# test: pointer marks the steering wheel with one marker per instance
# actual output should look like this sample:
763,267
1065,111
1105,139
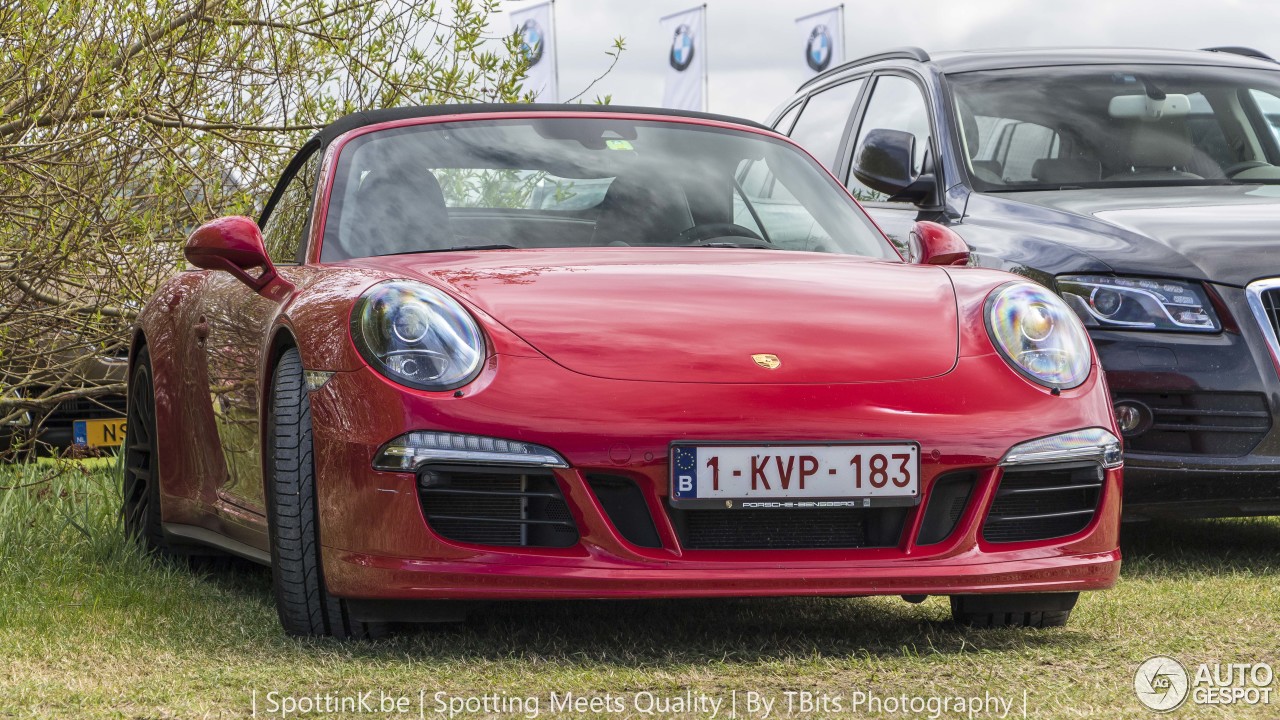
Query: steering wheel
707,231
1237,168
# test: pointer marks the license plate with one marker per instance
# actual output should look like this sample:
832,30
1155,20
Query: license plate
99,433
730,476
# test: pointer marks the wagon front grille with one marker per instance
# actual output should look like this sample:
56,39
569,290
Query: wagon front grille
88,408
1271,308
496,507
1224,424
1042,503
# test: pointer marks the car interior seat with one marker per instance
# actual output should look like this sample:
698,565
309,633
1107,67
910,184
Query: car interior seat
989,171
641,211
397,210
1159,150
1066,171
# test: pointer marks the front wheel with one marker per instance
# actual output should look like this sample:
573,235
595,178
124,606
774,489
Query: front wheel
297,576
140,506
1033,610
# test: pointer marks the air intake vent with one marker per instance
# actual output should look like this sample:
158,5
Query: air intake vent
496,506
786,529
947,501
624,503
1039,503
1201,423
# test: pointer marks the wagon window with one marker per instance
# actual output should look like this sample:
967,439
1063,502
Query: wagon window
824,118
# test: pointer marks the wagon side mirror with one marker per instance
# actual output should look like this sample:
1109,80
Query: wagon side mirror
884,163
234,244
934,244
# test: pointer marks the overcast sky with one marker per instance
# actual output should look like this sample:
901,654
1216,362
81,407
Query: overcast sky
754,46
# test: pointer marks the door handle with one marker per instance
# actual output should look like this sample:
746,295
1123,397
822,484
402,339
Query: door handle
201,330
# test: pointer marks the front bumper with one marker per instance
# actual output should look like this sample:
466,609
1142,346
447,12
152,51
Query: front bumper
378,545
1213,447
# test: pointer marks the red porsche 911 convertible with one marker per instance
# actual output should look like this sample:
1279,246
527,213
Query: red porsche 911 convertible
535,352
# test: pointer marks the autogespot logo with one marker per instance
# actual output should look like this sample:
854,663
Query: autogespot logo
818,51
682,48
531,41
1161,683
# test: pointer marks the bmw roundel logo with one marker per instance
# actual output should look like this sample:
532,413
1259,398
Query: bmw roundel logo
682,48
818,51
531,41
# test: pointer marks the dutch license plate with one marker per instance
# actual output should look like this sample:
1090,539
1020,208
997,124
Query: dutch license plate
99,433
730,476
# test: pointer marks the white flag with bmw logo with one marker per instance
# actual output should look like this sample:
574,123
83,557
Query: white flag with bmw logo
536,27
822,35
686,59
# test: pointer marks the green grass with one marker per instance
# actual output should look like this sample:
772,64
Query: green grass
89,628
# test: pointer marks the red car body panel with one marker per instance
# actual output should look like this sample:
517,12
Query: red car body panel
607,356
597,310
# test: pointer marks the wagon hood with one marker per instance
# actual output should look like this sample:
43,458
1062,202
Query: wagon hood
701,314
1223,234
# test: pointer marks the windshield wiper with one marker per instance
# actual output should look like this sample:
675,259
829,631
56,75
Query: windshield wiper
741,245
461,248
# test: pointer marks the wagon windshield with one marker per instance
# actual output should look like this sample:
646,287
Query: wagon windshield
1050,128
585,182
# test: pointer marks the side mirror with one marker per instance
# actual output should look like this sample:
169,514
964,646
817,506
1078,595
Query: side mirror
884,163
234,244
934,244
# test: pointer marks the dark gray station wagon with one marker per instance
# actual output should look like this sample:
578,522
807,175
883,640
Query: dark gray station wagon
1143,185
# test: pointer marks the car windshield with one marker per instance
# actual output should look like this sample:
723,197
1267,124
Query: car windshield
1117,126
582,182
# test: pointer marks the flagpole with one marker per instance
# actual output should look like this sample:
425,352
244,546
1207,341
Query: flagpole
555,46
843,52
706,62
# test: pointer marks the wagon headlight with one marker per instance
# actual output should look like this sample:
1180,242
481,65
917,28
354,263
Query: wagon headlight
417,335
1038,335
1122,303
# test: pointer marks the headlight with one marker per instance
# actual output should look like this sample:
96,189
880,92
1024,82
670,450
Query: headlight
1138,303
417,336
1038,335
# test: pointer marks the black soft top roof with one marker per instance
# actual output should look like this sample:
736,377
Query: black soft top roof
371,117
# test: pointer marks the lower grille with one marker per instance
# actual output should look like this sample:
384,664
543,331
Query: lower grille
947,500
95,408
1201,423
624,502
1043,503
786,529
507,507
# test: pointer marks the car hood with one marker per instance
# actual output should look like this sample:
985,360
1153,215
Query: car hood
1223,234
701,314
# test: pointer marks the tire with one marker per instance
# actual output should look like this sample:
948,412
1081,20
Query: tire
1032,610
304,605
140,484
